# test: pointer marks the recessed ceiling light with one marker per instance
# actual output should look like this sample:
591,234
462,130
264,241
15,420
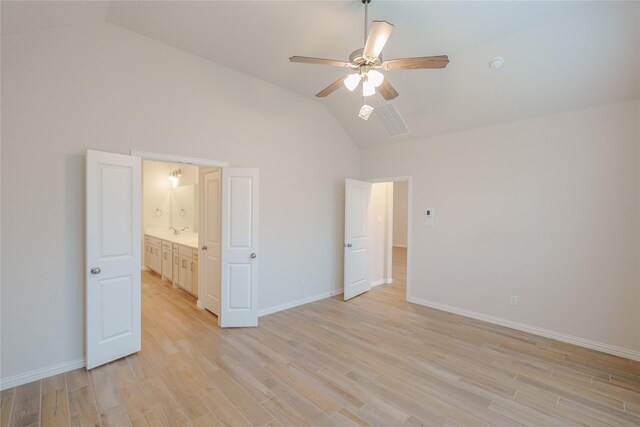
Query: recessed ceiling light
496,63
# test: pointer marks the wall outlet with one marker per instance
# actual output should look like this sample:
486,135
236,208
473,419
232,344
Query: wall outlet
514,300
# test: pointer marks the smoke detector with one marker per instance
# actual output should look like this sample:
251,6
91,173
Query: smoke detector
496,63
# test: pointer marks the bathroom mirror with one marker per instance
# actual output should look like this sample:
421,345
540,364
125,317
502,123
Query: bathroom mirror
184,207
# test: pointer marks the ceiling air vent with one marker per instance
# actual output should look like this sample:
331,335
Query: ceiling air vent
391,119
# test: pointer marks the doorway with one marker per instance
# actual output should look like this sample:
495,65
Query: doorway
118,246
172,227
372,255
389,234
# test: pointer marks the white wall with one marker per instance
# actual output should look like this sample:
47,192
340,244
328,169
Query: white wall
380,243
101,87
156,195
547,209
400,206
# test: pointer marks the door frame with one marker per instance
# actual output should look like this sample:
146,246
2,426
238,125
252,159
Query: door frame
195,161
409,180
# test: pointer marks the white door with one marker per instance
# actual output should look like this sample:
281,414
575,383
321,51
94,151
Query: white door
211,241
356,236
239,220
113,257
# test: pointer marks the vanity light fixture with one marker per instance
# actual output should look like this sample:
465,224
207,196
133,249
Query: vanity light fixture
174,177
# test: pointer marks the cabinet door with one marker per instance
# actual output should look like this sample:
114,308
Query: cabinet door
176,267
194,276
147,255
152,259
184,269
157,260
167,263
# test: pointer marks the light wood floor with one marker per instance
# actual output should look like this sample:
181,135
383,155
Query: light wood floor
375,360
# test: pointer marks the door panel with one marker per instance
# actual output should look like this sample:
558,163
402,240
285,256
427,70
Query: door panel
212,241
113,257
356,231
239,266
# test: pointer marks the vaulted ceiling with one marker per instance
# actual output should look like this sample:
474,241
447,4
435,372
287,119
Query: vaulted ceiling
558,55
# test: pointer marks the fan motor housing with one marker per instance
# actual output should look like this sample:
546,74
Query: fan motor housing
358,59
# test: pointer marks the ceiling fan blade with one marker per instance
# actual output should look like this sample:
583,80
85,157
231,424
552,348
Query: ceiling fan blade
319,61
332,87
378,35
440,61
387,91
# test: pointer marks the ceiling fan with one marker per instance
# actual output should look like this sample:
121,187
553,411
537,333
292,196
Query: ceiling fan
366,62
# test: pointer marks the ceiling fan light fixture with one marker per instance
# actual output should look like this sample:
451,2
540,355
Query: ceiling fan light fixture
368,89
375,78
352,81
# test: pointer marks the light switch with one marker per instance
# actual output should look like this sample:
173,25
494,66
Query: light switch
429,215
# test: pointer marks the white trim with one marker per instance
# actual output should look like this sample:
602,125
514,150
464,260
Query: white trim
382,282
38,374
559,336
170,158
296,303
409,180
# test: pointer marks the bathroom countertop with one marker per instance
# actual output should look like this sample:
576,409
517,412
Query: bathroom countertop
184,238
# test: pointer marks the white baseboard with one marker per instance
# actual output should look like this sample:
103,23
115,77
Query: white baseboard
296,303
38,374
559,336
382,282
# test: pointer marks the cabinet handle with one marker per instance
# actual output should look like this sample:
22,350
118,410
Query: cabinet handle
184,263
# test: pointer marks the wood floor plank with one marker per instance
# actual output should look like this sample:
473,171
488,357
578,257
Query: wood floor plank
6,401
26,405
82,406
55,402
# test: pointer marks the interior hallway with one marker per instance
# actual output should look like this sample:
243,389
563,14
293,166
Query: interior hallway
374,360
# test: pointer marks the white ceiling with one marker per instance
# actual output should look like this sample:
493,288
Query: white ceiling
559,55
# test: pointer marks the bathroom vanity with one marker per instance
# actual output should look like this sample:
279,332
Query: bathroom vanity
174,257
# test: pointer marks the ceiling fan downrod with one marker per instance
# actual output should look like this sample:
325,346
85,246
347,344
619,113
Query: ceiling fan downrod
366,18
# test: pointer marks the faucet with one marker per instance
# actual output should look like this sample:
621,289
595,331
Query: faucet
175,230
186,228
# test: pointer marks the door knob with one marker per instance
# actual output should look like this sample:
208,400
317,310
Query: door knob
348,245
253,255
95,270
204,248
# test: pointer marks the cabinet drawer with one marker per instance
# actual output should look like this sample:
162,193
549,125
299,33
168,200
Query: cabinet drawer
152,240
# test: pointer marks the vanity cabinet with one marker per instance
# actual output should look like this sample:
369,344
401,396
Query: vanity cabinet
174,262
153,257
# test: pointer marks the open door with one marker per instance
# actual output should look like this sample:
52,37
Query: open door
356,236
113,257
239,278
210,232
